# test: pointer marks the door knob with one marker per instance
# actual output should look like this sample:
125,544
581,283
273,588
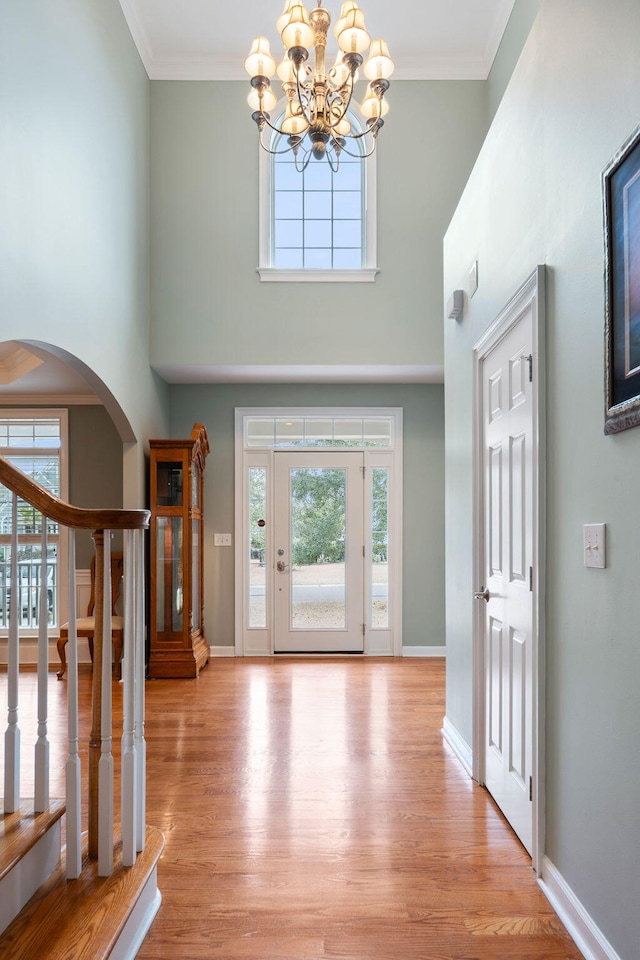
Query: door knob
483,595
281,566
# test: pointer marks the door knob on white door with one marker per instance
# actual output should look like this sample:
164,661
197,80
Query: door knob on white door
483,595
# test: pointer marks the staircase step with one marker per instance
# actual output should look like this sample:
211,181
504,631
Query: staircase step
21,831
86,919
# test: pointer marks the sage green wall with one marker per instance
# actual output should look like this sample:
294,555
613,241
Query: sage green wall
204,189
423,534
95,469
513,40
74,208
535,197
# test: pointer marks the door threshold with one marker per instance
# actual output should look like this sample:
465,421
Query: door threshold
318,653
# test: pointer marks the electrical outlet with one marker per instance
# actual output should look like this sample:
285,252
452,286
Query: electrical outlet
594,545
222,539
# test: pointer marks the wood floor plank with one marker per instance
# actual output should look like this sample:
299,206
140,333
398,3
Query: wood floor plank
312,811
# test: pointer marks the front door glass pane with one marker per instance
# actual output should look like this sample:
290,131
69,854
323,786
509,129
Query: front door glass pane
318,535
380,547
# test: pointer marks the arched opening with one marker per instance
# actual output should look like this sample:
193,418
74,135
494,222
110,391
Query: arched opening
61,424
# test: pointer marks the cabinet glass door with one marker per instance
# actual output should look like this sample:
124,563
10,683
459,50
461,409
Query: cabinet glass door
169,575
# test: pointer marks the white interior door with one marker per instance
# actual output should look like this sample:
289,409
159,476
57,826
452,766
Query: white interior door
319,552
507,442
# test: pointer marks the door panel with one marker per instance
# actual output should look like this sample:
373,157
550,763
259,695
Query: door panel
318,542
508,524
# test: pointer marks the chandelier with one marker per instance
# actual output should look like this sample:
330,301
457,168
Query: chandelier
315,122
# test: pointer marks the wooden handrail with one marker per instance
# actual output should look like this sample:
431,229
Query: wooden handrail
69,516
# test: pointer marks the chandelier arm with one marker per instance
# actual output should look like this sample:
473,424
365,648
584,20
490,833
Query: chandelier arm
275,130
301,99
305,162
373,130
359,156
337,158
339,96
274,153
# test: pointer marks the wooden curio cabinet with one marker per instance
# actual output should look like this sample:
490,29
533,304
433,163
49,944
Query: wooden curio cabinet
178,646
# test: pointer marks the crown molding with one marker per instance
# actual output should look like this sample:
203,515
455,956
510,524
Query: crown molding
495,38
138,34
186,373
49,400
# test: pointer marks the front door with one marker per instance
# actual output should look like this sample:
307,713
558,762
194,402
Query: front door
507,483
319,552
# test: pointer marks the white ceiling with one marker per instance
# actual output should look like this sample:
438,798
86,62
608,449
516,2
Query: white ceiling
204,40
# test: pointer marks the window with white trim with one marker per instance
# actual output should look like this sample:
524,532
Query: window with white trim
34,441
317,224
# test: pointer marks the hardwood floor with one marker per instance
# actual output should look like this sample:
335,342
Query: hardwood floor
312,810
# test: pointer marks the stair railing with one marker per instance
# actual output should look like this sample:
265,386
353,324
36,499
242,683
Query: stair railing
101,761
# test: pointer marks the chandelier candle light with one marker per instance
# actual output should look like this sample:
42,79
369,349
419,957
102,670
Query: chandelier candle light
315,121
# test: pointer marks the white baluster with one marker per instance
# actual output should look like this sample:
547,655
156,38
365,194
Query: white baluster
140,646
41,758
12,734
73,766
129,773
105,766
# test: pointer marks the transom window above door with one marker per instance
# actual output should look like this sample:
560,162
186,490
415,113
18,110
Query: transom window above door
319,432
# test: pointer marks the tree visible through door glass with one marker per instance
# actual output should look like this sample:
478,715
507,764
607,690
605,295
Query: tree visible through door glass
380,547
318,532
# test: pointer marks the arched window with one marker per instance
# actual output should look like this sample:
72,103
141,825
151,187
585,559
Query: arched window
317,224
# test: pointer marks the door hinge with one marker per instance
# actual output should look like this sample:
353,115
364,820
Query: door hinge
363,629
363,468
531,788
530,362
363,553
531,579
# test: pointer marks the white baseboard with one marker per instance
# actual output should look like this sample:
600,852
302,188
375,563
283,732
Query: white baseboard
406,652
588,937
424,651
222,651
458,744
29,651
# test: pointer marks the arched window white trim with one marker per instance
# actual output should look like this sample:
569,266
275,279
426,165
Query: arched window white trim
270,273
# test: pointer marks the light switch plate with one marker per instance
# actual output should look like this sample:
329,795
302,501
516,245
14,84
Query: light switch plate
222,539
594,545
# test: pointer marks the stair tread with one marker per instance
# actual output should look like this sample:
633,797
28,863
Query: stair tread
81,919
20,831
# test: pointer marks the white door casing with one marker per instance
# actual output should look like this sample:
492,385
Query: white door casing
255,621
508,661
